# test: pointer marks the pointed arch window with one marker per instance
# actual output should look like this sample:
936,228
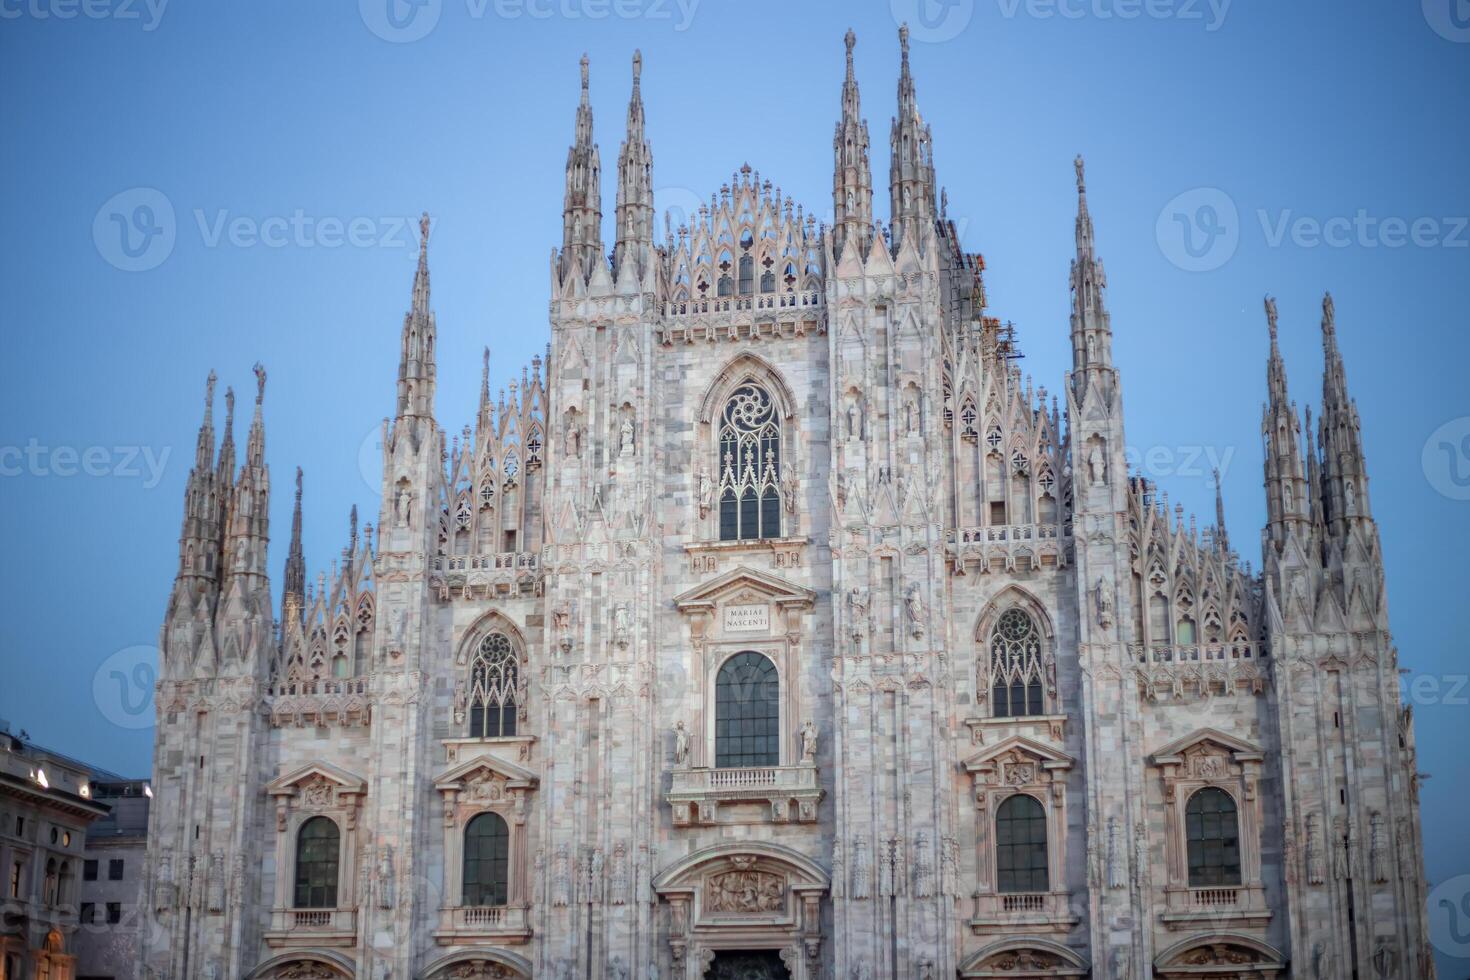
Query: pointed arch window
1016,670
486,861
1020,846
494,679
318,845
747,274
750,466
1212,830
747,712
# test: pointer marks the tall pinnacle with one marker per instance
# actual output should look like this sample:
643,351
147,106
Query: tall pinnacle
852,178
1344,468
255,445
293,590
226,465
204,451
911,170
1222,537
635,185
1092,331
581,239
1286,477
416,368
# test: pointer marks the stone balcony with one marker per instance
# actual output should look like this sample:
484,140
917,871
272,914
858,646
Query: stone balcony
742,318
1033,913
1009,547
312,927
1219,905
784,794
469,924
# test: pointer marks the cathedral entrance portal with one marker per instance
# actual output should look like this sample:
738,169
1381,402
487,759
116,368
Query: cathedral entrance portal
747,964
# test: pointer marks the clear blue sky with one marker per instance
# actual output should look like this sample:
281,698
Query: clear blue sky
1299,110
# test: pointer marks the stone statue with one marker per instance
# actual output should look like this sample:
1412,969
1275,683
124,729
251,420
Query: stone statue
625,437
1104,599
681,744
1321,961
621,624
809,743
1096,468
706,492
914,603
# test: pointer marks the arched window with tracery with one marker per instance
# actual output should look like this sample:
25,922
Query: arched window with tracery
494,677
750,465
1212,833
1016,669
318,845
486,861
1020,846
747,712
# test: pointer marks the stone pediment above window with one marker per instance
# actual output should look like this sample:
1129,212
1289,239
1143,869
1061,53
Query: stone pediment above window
1206,754
745,601
475,774
318,784
1017,761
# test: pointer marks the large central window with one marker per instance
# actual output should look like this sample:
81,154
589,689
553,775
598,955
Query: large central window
1020,846
316,864
493,679
1015,666
750,466
1213,835
486,860
747,712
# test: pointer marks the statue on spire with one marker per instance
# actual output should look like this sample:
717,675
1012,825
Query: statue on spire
1271,316
259,371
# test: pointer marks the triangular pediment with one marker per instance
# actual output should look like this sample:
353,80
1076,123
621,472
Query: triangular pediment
314,772
1045,755
481,766
1176,750
762,587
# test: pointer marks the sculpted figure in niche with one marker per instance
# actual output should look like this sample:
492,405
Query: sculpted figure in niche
625,437
1096,467
809,742
681,744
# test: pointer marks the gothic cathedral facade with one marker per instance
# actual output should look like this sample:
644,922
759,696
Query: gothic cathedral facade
775,626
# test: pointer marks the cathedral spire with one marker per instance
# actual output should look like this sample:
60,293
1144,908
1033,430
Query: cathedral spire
204,450
635,186
1222,537
1286,479
247,533
911,172
852,177
1344,470
255,443
581,237
293,590
225,467
416,371
1092,329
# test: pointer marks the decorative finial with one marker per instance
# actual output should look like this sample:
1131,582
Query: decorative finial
849,39
1329,314
1081,167
637,66
586,63
424,232
1271,316
209,384
259,370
